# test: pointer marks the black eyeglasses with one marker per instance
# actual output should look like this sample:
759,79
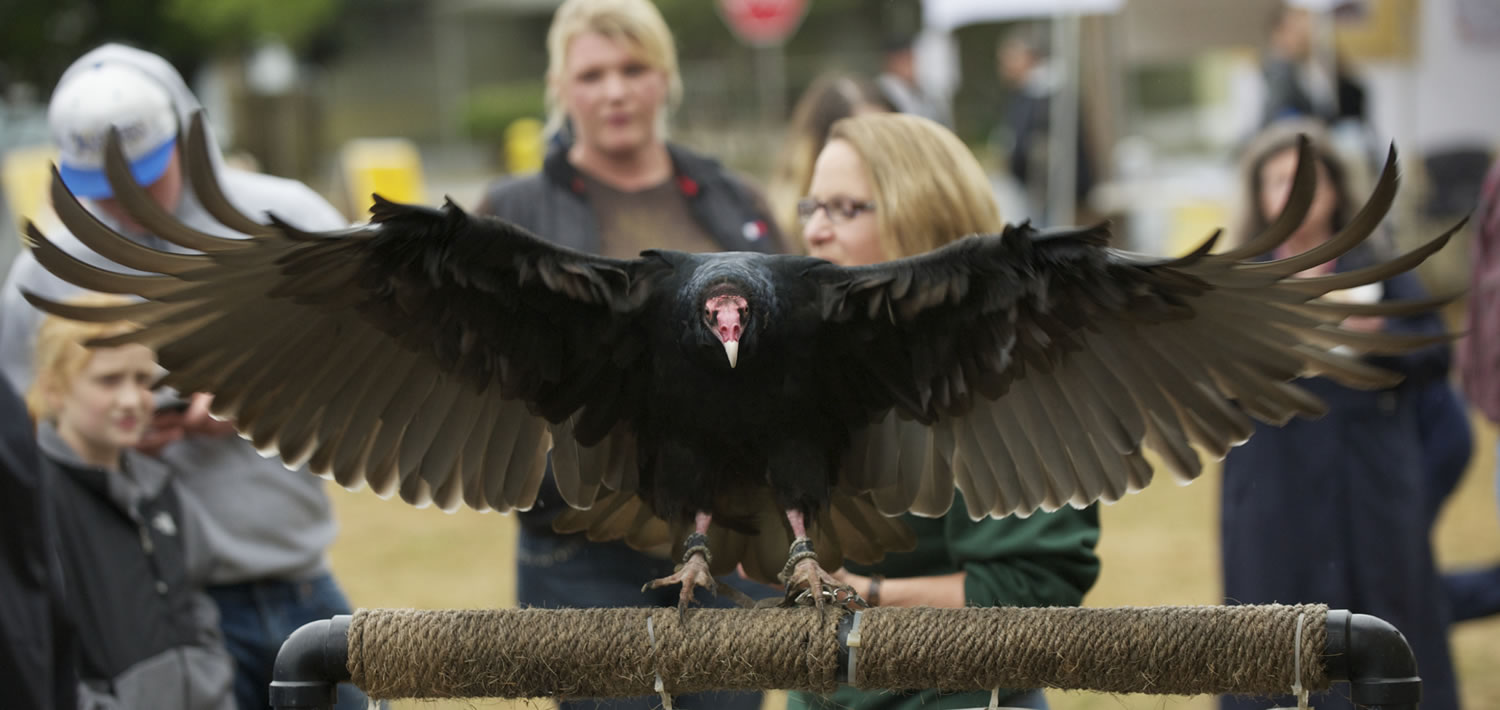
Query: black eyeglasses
839,209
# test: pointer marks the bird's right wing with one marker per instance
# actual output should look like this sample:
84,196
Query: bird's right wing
429,353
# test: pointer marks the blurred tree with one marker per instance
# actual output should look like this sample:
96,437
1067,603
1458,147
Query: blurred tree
232,25
38,38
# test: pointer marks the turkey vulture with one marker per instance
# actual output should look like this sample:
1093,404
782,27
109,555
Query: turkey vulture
747,408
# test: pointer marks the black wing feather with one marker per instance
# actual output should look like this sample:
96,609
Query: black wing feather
1058,360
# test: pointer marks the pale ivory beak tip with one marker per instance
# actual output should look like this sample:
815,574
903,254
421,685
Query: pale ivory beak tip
732,349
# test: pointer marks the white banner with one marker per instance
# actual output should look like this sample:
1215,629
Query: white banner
949,14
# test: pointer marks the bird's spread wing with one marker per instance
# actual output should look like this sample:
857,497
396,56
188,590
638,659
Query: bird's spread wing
428,353
1032,370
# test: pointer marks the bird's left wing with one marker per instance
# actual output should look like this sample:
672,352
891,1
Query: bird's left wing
429,352
1033,370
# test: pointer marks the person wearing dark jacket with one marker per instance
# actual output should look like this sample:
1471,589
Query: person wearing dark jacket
38,645
611,184
1475,593
1335,510
130,538
1023,60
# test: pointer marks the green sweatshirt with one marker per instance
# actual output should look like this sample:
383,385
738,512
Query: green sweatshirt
1045,560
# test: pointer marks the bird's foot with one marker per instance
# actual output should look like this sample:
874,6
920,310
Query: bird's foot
808,584
691,574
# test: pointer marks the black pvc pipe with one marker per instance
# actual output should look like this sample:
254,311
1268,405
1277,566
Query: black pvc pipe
1376,660
311,664
1366,651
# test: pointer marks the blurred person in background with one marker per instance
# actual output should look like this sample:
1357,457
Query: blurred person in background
830,97
898,83
268,527
611,184
130,536
1024,63
1303,78
1475,593
887,187
38,639
1334,510
1298,83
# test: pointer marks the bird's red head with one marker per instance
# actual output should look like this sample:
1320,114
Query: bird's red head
725,315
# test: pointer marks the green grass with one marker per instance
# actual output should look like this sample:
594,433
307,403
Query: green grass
1159,547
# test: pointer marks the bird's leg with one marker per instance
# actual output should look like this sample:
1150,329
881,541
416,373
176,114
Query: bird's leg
694,571
802,571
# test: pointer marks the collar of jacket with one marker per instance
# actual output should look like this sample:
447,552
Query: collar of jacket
730,216
143,477
693,173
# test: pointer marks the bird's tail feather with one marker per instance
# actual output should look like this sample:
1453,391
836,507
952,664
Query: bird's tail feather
851,528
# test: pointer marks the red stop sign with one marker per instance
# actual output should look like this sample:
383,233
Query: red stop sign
763,22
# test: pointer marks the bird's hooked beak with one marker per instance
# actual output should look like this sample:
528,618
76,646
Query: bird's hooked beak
724,318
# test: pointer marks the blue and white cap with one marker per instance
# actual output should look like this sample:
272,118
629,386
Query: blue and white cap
87,103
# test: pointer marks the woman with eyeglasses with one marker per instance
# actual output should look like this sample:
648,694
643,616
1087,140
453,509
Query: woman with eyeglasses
888,186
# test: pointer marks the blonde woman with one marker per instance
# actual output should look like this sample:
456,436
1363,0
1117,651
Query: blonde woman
611,184
131,542
889,186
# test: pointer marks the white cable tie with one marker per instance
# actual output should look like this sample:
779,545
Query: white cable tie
1297,688
853,643
661,688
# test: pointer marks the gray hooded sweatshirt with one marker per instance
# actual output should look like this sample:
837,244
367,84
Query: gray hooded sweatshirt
263,521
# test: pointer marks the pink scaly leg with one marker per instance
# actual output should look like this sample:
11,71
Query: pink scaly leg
802,570
694,571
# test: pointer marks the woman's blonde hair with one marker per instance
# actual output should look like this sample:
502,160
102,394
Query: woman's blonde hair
635,22
829,98
929,189
61,354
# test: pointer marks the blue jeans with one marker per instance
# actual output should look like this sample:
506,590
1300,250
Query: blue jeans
258,616
569,571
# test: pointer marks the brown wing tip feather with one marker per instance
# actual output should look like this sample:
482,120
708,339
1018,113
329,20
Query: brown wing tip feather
31,235
41,303
290,229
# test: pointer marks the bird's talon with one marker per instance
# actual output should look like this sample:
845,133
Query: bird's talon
807,584
692,574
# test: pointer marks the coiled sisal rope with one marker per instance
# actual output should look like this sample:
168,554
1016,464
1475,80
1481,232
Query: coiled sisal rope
518,653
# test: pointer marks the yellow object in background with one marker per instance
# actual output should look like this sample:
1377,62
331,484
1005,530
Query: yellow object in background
523,146
391,167
1193,222
26,174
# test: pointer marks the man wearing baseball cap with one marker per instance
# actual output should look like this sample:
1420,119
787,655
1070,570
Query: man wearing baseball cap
81,113
267,528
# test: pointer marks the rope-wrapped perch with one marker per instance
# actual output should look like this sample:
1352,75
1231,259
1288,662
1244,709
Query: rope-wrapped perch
579,653
517,653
